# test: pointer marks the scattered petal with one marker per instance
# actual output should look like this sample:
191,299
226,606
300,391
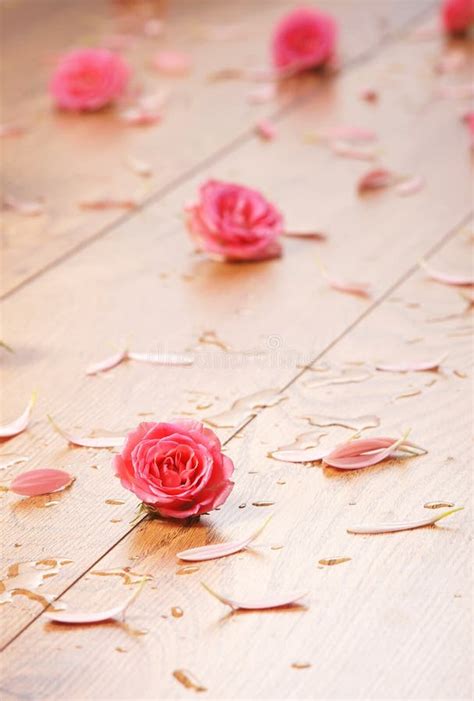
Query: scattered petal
19,424
107,364
360,289
347,150
28,208
265,130
376,179
108,203
162,358
172,62
264,93
369,95
413,367
402,526
447,278
212,552
84,617
140,117
365,452
269,602
89,442
347,133
36,482
410,186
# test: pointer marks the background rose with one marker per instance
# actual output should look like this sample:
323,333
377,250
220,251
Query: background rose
88,79
303,39
177,468
235,223
457,14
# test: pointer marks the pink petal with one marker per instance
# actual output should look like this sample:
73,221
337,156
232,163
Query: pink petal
346,150
316,235
412,367
375,180
369,95
361,289
87,442
410,186
447,278
29,208
107,364
140,117
365,452
350,134
36,482
262,94
401,526
212,552
108,203
172,62
19,424
269,602
265,130
162,358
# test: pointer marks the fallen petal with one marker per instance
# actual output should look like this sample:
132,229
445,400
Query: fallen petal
410,186
347,150
270,602
347,133
447,278
402,526
19,424
89,442
413,367
172,62
376,180
36,482
357,454
262,94
140,117
360,289
265,130
107,364
212,552
29,208
162,358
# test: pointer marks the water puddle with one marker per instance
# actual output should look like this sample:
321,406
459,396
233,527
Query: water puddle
244,408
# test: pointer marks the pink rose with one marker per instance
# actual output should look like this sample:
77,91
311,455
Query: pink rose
177,469
303,39
457,15
235,223
88,79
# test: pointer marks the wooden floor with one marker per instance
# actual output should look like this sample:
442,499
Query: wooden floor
393,621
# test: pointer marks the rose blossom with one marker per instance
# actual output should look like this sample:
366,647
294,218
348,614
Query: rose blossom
235,223
178,469
457,15
88,79
303,39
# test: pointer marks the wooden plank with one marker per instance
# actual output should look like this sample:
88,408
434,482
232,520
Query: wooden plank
146,266
96,146
393,622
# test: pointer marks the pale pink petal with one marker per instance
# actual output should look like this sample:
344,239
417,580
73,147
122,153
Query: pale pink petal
410,186
140,117
162,358
36,482
401,526
316,235
172,62
264,93
412,367
108,203
369,95
28,208
107,364
348,133
268,602
359,457
265,130
347,150
19,424
376,180
90,442
360,289
212,552
447,278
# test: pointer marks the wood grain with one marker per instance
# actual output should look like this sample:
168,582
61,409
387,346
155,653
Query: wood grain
372,626
96,146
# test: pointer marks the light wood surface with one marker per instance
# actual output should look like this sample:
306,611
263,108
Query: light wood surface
393,621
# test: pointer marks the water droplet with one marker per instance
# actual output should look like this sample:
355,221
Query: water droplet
177,612
334,560
242,506
24,578
121,649
340,377
188,680
358,423
301,665
188,569
244,408
211,338
115,502
128,576
263,503
438,505
10,459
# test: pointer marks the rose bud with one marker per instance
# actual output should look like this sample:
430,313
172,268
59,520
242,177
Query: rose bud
177,469
234,223
88,79
303,39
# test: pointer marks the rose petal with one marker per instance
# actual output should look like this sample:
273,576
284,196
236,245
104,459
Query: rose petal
19,424
410,186
262,94
89,442
413,367
36,482
212,552
265,130
162,358
376,180
360,289
172,62
347,150
29,208
269,602
401,526
366,459
447,278
107,364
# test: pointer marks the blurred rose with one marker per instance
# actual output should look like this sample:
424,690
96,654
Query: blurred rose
457,15
177,469
303,39
235,223
88,79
